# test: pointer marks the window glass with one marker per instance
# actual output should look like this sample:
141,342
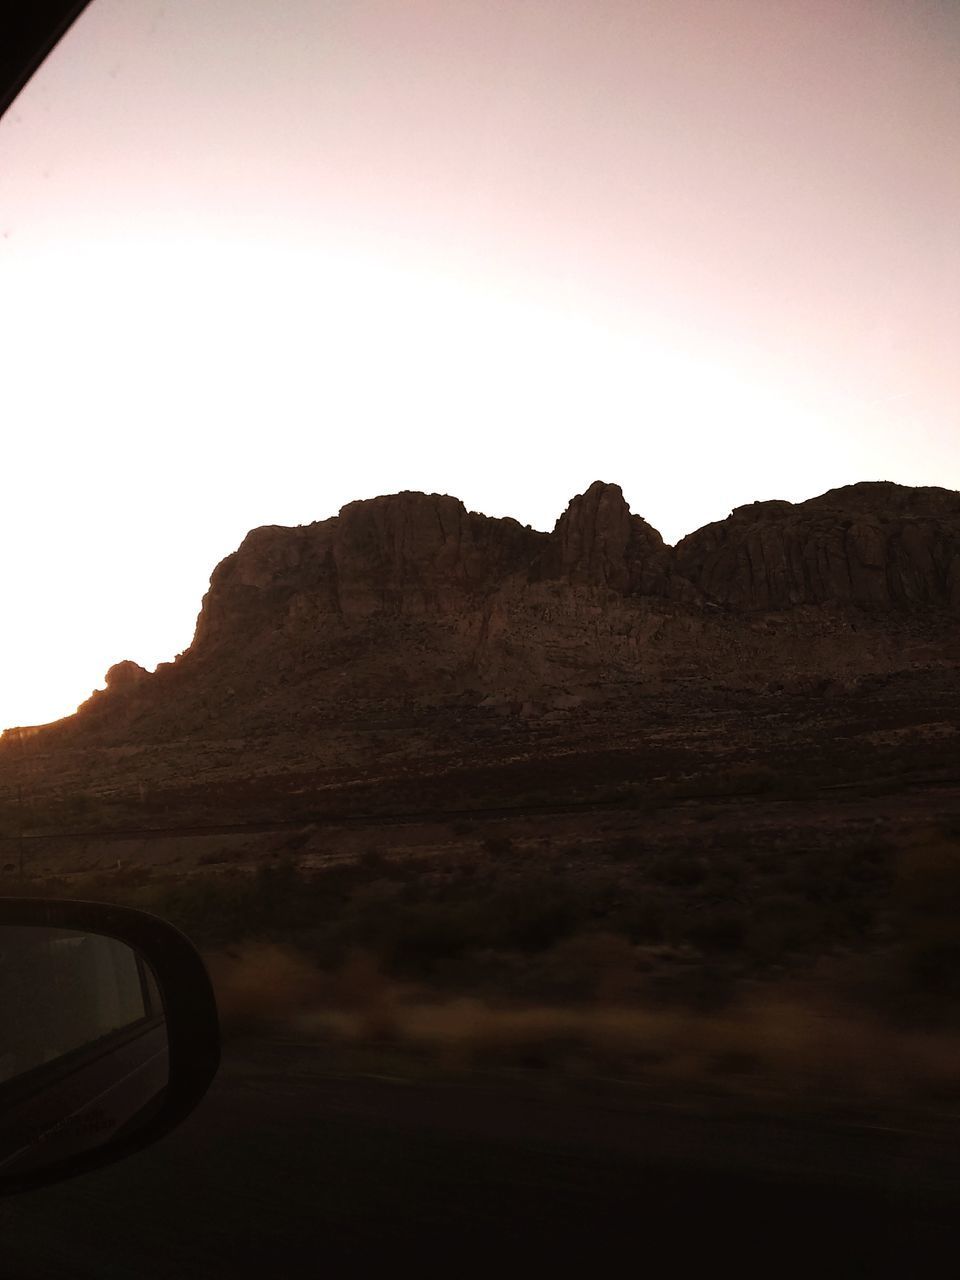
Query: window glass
61,990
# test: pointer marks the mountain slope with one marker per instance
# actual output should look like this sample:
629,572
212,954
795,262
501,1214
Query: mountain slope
407,635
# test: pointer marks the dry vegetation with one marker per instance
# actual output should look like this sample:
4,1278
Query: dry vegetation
779,1040
806,970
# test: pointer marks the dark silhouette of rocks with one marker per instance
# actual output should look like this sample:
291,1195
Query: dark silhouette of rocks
410,655
410,600
411,554
598,542
878,546
881,547
124,675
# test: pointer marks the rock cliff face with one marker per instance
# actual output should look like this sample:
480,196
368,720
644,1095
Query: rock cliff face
877,546
598,542
337,665
411,600
408,554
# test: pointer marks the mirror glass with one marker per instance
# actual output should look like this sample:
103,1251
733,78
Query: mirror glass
83,1045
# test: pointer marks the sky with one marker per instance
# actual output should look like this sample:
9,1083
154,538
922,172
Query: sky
259,258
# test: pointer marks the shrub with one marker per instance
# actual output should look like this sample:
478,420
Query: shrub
642,920
723,930
679,870
499,846
927,884
742,780
372,861
626,850
213,859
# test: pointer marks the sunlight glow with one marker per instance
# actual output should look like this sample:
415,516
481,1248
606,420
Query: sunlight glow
199,388
255,267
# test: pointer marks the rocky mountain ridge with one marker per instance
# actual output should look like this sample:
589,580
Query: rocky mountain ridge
410,653
877,546
411,598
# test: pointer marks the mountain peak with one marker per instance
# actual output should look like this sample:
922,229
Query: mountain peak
598,541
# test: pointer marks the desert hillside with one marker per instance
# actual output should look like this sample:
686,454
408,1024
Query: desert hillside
410,655
415,754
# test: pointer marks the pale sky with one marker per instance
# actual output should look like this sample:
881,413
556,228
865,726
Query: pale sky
259,258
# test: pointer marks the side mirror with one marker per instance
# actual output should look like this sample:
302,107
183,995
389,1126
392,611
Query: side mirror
108,1036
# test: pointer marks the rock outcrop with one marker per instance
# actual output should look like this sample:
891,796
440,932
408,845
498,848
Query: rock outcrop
124,676
337,664
877,547
880,547
405,554
412,600
598,542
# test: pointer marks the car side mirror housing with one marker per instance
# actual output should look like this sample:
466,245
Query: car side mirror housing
108,1036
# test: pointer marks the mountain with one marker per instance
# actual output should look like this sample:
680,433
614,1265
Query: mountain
881,547
412,596
877,546
410,610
